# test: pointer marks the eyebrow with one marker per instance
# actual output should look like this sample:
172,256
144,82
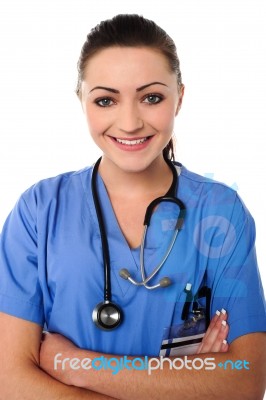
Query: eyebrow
137,90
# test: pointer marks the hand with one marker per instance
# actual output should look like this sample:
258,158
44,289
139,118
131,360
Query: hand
214,340
52,344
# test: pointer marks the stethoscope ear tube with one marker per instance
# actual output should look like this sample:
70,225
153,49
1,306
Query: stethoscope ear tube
161,199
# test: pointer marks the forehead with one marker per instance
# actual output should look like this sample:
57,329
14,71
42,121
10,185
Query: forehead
127,63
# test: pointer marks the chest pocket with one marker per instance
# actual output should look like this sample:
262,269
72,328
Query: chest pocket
185,334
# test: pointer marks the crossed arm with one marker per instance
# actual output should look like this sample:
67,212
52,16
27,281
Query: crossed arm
22,378
20,375
130,384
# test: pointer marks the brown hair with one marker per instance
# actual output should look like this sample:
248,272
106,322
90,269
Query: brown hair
130,30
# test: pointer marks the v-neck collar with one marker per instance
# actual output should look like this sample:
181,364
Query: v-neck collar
121,255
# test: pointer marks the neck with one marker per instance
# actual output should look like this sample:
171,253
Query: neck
154,180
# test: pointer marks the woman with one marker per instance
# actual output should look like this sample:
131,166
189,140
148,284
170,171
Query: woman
53,266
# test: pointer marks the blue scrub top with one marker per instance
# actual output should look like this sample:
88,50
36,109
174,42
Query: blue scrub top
51,265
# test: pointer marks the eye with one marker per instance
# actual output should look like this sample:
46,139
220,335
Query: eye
104,102
153,99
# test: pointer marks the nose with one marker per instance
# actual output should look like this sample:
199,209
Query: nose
130,120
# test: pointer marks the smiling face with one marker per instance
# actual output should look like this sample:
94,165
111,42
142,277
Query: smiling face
130,99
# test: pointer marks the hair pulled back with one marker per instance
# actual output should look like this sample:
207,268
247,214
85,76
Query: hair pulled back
130,30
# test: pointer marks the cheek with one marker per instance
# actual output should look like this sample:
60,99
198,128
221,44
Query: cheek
96,123
164,120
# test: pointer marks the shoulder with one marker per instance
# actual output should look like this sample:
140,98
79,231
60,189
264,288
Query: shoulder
212,196
48,201
190,178
46,196
59,185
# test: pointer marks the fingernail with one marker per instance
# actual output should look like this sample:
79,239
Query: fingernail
224,341
218,313
223,311
224,323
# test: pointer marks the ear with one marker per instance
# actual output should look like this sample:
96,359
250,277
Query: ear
82,105
180,100
81,98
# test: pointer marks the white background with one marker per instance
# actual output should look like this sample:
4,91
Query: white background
220,129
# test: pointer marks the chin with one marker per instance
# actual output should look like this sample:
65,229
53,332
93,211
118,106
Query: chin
131,163
136,166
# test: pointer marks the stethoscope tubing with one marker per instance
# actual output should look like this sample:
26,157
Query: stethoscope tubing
107,315
105,248
145,279
147,220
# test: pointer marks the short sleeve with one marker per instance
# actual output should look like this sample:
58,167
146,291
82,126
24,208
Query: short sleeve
237,284
20,291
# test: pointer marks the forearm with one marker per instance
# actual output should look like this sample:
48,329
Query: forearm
170,383
31,383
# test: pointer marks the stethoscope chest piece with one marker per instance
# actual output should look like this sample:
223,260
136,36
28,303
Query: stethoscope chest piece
107,315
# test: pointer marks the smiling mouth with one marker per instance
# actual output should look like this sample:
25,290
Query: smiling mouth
132,142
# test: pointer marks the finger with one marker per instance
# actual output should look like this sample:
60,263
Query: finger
214,321
224,347
211,335
222,335
213,340
218,316
210,327
44,335
217,335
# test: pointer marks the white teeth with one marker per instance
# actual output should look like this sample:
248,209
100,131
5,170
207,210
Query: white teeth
131,142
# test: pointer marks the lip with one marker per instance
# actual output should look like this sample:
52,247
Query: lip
132,138
130,147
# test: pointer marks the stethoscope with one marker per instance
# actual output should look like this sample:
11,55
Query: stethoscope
108,315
